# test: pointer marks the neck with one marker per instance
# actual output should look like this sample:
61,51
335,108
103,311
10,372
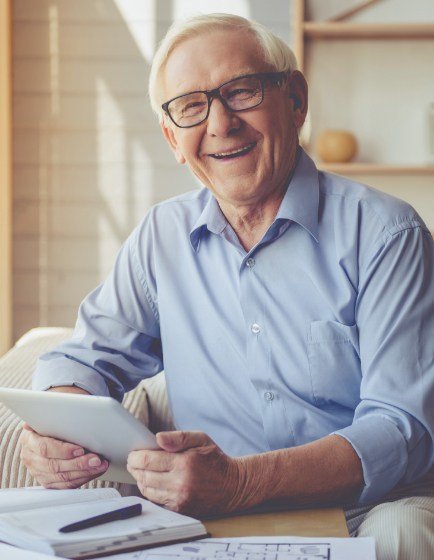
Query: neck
251,222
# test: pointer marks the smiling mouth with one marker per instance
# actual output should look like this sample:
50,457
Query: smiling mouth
231,154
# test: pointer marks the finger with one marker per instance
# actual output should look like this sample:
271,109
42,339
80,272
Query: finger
25,433
65,477
180,441
150,460
89,463
66,485
151,479
24,436
161,497
50,447
69,479
63,485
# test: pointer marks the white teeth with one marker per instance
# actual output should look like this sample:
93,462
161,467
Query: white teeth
225,154
230,153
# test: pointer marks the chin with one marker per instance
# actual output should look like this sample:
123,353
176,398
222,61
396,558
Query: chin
238,187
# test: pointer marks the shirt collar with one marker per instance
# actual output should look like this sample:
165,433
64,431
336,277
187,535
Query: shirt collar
211,219
301,200
300,204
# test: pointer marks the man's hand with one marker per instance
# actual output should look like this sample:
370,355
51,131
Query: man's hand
190,474
58,464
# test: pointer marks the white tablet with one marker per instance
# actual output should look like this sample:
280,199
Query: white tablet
99,424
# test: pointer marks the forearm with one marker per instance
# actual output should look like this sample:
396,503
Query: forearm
327,470
69,389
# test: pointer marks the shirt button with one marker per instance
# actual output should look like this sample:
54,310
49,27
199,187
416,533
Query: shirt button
255,328
269,396
250,263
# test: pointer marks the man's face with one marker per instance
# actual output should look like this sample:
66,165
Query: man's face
268,132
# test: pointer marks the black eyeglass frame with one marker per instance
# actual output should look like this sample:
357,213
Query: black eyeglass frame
215,94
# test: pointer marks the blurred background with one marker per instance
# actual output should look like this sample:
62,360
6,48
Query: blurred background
82,156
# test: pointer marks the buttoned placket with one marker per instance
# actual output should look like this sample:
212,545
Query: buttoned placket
277,431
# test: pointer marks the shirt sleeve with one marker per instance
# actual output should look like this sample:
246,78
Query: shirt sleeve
116,341
393,425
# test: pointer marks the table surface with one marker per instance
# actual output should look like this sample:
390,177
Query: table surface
324,522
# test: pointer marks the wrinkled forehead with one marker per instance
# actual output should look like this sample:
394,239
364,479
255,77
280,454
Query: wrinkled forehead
205,61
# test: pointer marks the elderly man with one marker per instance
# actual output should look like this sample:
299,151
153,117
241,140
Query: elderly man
293,311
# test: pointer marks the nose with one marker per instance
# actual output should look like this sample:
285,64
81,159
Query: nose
221,121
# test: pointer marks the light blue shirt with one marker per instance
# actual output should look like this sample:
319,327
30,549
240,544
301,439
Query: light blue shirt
325,326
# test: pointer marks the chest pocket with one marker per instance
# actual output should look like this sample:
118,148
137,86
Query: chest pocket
334,363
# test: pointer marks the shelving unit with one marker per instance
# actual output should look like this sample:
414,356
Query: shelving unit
305,32
376,169
336,30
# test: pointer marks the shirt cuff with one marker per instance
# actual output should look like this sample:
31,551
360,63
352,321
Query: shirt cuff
63,371
382,449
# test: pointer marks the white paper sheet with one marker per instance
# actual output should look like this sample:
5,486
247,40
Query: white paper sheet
12,553
261,548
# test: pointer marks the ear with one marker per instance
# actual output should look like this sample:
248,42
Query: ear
169,135
298,93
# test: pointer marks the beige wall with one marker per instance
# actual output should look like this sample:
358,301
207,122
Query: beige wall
84,140
5,178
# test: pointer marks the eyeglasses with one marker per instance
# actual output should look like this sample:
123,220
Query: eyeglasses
239,94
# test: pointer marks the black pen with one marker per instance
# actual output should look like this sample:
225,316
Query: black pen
116,515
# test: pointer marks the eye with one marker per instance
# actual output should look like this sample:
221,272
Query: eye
193,108
189,107
241,93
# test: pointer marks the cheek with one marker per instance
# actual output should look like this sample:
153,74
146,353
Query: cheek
197,165
285,134
190,148
182,144
193,138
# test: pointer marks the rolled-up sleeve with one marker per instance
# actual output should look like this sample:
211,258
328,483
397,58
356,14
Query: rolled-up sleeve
393,427
116,341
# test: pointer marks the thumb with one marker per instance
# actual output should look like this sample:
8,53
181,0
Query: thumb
181,441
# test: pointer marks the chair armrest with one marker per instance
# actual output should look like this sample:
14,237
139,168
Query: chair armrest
160,417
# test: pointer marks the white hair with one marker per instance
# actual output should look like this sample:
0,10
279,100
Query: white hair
276,52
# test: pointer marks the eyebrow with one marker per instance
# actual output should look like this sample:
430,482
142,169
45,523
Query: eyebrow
242,72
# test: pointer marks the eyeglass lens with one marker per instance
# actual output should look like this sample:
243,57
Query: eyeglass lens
242,93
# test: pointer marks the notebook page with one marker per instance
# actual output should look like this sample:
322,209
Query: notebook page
18,499
44,524
13,553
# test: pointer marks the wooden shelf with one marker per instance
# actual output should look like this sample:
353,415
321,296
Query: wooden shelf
336,30
376,169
